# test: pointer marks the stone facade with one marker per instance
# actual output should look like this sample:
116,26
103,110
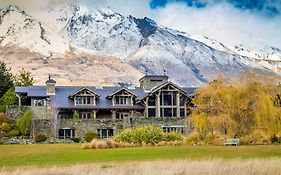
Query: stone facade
71,111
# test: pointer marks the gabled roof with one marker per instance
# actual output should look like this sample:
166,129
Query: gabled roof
119,90
155,89
82,89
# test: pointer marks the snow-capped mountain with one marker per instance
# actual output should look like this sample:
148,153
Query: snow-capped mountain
19,29
153,48
141,43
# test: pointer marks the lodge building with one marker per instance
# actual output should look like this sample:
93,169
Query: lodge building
106,110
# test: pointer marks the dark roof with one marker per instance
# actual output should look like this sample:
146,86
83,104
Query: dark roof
84,88
62,100
121,89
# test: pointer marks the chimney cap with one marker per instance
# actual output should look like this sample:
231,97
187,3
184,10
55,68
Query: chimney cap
50,80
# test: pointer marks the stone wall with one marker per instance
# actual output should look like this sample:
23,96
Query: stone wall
43,118
83,126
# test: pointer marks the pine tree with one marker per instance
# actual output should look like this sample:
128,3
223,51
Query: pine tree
24,78
6,78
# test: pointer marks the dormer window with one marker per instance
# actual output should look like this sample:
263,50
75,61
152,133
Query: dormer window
121,100
85,96
85,100
122,97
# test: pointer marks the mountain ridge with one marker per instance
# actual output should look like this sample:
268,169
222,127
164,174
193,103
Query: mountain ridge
145,45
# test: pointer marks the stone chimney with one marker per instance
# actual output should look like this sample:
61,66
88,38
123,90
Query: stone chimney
50,83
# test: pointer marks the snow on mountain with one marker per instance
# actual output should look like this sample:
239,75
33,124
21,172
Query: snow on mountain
189,60
19,29
141,43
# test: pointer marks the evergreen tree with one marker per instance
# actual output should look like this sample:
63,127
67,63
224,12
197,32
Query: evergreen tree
24,78
6,78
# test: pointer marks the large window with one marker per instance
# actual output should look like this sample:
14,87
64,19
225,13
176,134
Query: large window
85,100
168,112
168,98
121,100
182,112
151,112
151,100
105,133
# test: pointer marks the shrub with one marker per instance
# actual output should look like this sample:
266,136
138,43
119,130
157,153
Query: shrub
246,140
2,134
274,139
76,140
110,143
143,135
6,127
191,139
24,122
172,136
2,118
13,133
40,137
89,136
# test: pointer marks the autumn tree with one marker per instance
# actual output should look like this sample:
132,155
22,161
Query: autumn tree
236,109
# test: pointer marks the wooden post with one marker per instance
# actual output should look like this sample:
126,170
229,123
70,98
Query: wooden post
19,98
158,104
178,104
94,114
113,115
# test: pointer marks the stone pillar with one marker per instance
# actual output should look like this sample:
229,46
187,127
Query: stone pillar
178,104
157,105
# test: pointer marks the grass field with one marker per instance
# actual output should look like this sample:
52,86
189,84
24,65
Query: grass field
69,154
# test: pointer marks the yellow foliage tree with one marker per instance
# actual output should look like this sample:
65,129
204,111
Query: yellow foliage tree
237,109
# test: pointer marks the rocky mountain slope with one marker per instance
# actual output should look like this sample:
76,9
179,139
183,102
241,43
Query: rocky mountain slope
140,44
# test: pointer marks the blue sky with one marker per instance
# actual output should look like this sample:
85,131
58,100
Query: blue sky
252,23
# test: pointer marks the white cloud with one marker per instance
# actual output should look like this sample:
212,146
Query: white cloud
33,5
137,8
223,23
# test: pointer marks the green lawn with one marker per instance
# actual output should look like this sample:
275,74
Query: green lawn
63,154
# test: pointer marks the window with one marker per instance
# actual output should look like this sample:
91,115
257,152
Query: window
182,101
66,133
105,133
168,98
182,112
85,100
121,100
151,112
39,102
121,115
179,129
151,100
168,112
85,115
